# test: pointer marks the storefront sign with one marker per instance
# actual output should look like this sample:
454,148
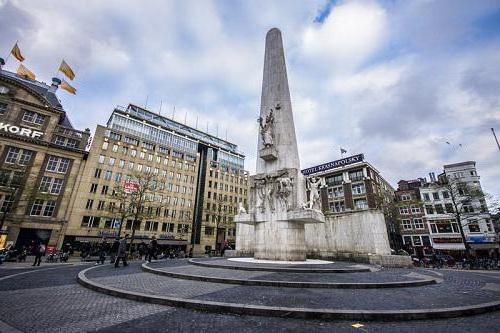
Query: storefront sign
480,239
107,233
23,131
334,164
447,240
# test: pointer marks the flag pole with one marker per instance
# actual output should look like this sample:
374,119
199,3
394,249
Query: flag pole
10,52
496,139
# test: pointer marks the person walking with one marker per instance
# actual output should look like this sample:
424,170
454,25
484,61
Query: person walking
152,249
39,251
103,249
122,252
114,250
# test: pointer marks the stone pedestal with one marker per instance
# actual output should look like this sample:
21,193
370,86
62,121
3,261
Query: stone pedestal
280,240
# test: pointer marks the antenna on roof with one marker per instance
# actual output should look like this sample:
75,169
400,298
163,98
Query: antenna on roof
161,104
185,117
146,104
207,126
226,133
173,113
217,130
196,126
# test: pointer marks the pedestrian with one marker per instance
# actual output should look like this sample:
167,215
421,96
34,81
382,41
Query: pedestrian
39,251
143,250
114,250
103,249
152,249
190,255
122,252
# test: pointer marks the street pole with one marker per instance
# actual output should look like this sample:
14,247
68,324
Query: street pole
495,136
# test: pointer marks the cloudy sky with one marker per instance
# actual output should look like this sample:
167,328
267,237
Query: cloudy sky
395,80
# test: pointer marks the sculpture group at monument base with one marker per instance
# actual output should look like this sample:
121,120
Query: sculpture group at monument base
357,236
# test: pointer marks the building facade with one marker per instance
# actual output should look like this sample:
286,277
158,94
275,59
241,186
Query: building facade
198,178
428,216
41,156
352,185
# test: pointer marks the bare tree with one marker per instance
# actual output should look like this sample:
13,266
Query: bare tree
121,206
467,200
224,216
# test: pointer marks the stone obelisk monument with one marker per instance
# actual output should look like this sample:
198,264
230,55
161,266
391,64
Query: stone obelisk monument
277,207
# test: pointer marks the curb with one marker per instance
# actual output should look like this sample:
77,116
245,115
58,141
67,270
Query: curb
295,284
281,269
286,312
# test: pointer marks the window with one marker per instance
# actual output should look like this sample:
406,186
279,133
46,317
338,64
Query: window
337,206
101,159
33,117
473,226
426,197
115,136
415,209
468,209
151,226
57,164
439,209
105,145
426,240
358,189
18,156
167,227
111,161
3,108
209,231
335,180
405,197
429,209
417,241
356,175
131,141
404,210
89,204
104,189
90,222
360,204
115,148
133,152
43,208
121,164
446,194
108,175
50,185
406,224
418,223
433,228
449,208
407,240
435,195
130,165
118,176
6,202
93,188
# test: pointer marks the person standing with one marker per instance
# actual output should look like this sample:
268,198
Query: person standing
114,250
103,249
39,251
122,252
152,249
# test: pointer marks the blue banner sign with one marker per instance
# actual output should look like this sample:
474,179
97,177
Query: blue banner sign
334,164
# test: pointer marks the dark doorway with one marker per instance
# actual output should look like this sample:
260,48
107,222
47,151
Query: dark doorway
31,237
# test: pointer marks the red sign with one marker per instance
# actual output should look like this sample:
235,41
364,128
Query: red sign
130,187
51,249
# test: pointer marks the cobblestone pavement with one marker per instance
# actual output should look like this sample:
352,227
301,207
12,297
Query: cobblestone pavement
458,289
334,265
384,275
52,301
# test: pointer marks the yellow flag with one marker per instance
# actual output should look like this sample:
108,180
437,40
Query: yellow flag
69,88
16,52
21,70
64,67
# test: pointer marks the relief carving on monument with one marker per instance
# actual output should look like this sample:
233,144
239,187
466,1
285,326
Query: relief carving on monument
267,133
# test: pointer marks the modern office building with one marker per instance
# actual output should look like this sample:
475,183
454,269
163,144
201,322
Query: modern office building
199,179
41,156
351,185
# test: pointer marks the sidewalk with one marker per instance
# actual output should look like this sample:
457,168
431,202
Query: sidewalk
30,259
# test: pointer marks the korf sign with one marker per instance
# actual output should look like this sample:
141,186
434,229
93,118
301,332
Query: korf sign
28,132
333,164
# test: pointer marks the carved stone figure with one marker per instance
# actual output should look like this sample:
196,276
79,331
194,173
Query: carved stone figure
267,129
314,197
241,208
260,191
285,188
270,192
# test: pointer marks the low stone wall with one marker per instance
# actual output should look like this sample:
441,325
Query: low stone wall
351,235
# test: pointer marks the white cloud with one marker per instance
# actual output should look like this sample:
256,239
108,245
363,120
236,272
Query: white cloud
352,33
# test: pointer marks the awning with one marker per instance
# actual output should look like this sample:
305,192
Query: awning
449,246
136,240
483,246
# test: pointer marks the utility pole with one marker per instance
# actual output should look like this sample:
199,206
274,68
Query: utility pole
495,136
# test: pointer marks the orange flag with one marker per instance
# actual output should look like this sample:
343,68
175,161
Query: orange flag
16,52
69,88
64,67
21,70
